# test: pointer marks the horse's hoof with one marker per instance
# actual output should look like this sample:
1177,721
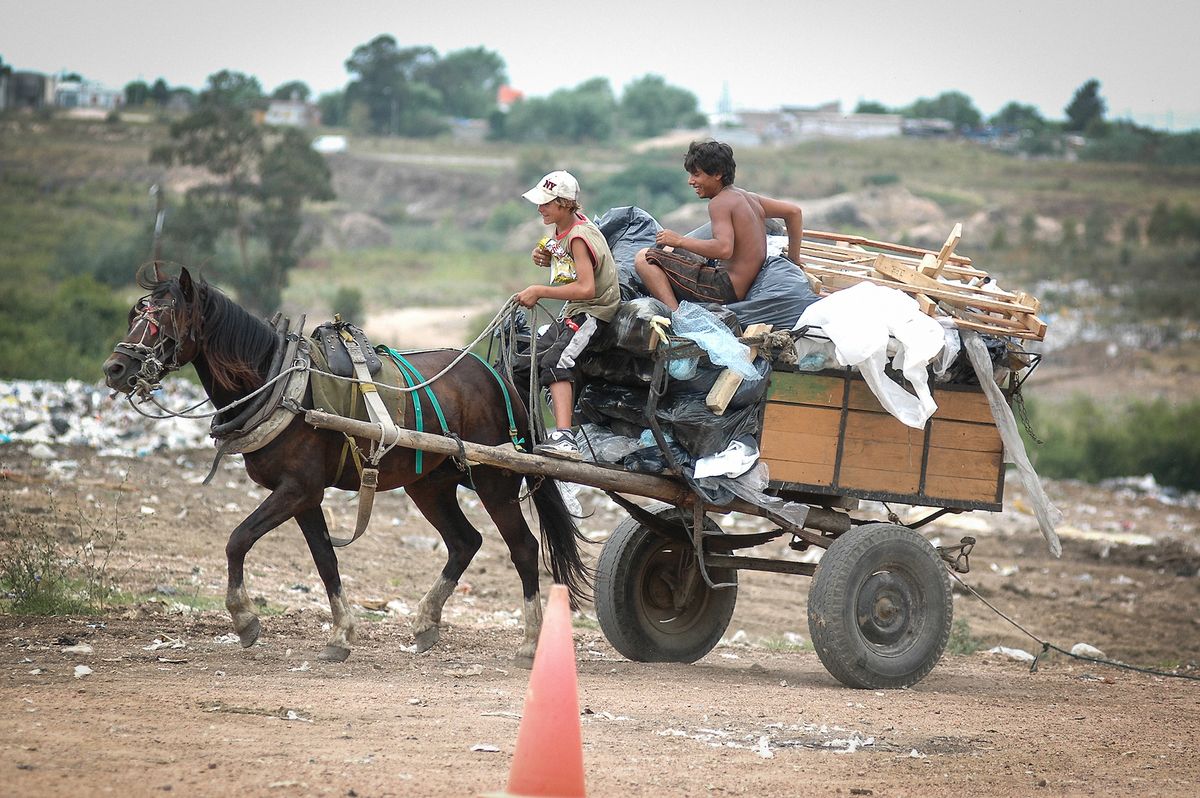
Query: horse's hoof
249,635
332,653
522,660
425,640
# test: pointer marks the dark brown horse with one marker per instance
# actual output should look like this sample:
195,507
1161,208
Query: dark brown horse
185,321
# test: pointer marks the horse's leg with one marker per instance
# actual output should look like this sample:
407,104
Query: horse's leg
436,498
278,507
499,491
316,534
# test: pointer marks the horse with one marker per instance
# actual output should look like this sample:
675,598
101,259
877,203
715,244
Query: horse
184,320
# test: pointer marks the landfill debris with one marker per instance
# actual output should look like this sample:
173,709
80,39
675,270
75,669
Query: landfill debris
485,748
294,715
82,670
1020,655
79,648
1085,650
46,414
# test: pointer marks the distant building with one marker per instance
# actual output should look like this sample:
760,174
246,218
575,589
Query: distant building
292,113
928,128
27,90
506,96
824,121
87,94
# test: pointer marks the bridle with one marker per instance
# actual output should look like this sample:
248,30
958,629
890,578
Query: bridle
156,360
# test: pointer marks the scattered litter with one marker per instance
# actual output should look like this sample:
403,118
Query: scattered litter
82,670
915,754
501,713
763,748
1020,655
169,661
303,666
294,715
36,672
228,637
485,748
78,648
164,641
1084,650
459,673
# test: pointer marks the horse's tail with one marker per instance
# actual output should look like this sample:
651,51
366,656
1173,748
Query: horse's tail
561,538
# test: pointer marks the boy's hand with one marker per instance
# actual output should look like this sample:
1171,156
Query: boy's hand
540,257
668,238
530,296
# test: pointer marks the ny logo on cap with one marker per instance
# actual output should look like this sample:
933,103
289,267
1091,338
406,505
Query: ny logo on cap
549,185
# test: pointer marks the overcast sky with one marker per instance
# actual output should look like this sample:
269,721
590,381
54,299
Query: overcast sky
764,54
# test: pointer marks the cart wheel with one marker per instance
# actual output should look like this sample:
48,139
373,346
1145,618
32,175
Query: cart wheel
879,607
638,581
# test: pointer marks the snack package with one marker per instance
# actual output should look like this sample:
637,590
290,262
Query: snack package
562,265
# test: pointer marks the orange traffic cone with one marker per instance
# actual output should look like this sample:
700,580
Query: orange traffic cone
548,760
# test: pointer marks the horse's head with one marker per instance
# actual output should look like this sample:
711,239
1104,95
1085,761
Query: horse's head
162,333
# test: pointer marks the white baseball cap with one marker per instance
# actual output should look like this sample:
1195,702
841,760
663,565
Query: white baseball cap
556,184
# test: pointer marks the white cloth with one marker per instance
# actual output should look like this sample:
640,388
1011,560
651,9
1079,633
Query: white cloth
737,459
861,321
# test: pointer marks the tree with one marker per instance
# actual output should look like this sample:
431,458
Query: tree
258,189
136,93
584,113
228,89
1016,116
871,107
951,105
649,107
467,81
292,90
160,93
389,83
333,108
1086,108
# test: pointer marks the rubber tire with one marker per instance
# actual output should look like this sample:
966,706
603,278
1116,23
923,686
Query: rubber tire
630,597
880,567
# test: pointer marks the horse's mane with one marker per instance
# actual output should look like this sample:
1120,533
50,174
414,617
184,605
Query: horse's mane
237,346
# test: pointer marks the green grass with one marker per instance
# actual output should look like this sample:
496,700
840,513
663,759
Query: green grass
961,640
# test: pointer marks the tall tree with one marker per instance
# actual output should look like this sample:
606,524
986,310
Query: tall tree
1018,117
467,81
136,92
160,92
1086,108
257,189
952,105
292,90
390,84
649,106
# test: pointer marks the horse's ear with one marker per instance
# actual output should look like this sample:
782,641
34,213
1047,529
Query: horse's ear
186,285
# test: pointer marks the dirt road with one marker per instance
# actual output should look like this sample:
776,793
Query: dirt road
195,714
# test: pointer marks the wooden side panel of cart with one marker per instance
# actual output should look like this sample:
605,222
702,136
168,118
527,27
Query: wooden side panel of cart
827,433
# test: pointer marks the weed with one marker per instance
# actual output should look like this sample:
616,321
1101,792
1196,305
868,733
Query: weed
52,569
961,640
788,643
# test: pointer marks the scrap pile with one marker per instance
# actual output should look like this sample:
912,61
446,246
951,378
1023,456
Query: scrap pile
943,283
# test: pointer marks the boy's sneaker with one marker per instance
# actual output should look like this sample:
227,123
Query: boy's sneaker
560,443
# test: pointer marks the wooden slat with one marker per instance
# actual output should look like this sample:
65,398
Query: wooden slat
962,406
881,455
879,480
798,418
803,473
866,242
969,465
960,489
809,389
729,380
800,447
882,427
965,436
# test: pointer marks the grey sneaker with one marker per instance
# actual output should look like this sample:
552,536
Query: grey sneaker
559,443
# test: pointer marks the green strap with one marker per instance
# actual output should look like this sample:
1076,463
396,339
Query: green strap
512,424
412,376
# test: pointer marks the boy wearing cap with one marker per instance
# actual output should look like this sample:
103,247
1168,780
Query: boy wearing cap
592,300
720,269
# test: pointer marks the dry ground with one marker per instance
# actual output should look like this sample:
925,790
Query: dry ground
757,716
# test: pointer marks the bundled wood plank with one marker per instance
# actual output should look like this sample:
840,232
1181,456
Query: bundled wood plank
943,282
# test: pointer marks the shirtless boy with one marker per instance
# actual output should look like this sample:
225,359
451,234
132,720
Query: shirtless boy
722,269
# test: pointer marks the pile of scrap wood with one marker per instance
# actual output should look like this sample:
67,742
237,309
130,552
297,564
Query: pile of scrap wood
943,283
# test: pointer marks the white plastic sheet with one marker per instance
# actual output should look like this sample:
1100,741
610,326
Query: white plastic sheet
862,321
